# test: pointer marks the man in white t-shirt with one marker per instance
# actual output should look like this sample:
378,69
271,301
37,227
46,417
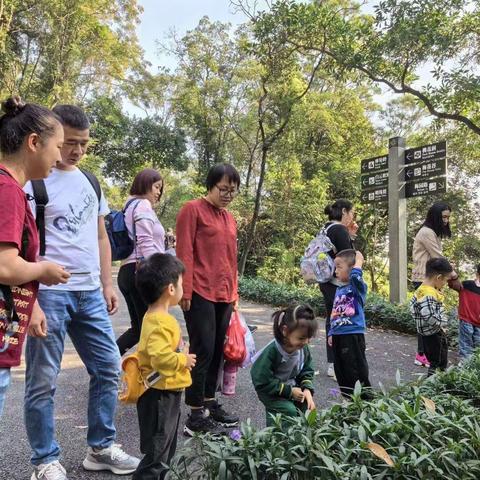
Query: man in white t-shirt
75,237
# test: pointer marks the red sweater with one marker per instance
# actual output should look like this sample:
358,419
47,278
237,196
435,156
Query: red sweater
15,214
469,307
207,245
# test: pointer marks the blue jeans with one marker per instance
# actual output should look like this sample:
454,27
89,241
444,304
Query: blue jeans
4,382
468,339
83,315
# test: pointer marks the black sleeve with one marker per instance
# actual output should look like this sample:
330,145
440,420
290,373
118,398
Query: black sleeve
340,237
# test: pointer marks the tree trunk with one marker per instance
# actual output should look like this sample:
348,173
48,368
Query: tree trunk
256,212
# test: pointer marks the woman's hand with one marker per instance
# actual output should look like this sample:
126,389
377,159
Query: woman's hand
185,304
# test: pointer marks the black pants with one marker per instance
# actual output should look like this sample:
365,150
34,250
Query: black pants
436,350
158,417
136,307
207,324
328,291
350,362
420,346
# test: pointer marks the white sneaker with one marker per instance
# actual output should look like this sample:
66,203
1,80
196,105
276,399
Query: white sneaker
112,458
330,371
49,471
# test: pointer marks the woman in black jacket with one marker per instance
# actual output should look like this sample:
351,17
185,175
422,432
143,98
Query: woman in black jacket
341,216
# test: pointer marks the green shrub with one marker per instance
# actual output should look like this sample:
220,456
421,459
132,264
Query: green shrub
378,311
430,437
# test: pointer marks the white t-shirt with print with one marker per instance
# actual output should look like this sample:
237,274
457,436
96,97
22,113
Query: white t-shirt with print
71,228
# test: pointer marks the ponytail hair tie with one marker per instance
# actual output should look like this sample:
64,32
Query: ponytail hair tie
295,310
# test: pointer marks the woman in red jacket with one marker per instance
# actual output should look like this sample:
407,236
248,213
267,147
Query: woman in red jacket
30,141
207,245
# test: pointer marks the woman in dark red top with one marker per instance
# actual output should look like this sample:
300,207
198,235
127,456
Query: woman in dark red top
207,245
30,141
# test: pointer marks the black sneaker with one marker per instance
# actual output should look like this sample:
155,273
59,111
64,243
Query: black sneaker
221,416
202,424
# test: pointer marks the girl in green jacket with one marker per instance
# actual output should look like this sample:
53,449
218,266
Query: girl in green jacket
282,372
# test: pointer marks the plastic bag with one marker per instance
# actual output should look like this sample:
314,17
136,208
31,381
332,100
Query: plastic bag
249,344
234,349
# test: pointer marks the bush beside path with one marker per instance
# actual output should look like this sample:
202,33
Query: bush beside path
387,352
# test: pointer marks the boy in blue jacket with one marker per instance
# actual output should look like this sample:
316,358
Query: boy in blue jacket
347,323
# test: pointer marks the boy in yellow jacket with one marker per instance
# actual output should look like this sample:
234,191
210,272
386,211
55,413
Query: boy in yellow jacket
162,362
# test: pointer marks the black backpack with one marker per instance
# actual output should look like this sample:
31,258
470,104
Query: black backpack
41,199
12,320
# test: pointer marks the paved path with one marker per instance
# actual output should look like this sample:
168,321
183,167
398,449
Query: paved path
386,352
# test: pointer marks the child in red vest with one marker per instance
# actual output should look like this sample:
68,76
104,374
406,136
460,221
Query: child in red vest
469,316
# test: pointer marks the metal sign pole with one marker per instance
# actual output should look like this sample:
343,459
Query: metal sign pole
397,221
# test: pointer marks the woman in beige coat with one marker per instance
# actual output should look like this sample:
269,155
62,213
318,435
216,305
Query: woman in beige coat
426,245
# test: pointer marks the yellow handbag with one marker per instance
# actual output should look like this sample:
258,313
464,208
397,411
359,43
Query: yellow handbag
132,383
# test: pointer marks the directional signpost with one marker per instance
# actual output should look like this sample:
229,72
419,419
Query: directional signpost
427,152
376,195
374,164
420,188
430,169
403,173
375,180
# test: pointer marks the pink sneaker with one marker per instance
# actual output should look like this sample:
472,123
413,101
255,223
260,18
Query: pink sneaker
421,360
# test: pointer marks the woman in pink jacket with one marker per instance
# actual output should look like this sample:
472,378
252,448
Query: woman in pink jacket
149,237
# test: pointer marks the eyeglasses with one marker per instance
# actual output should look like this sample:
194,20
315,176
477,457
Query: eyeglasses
227,192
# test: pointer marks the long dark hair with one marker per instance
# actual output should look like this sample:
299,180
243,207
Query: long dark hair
293,317
435,222
335,210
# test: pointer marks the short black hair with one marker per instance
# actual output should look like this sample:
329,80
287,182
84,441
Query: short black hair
293,317
438,266
156,273
335,210
434,219
217,172
72,116
349,255
22,119
478,269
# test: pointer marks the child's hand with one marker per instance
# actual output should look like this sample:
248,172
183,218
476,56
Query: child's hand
191,360
309,399
298,395
330,341
359,259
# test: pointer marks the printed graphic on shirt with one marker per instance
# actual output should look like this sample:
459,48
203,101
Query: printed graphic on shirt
343,310
9,333
78,214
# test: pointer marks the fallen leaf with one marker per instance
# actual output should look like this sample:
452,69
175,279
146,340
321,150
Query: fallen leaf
380,452
429,404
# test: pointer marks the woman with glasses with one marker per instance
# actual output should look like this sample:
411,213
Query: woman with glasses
140,217
207,245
